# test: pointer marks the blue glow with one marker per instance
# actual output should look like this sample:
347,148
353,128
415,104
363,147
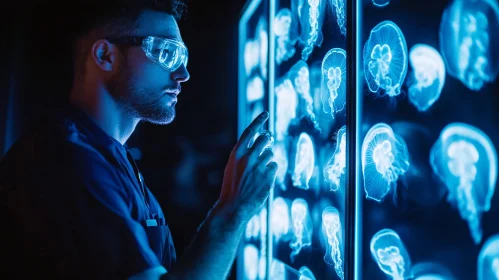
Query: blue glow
391,255
335,168
465,160
277,270
304,162
302,227
427,78
331,228
311,16
280,218
284,45
250,261
262,264
384,158
469,43
300,77
263,44
287,103
255,89
306,274
340,9
282,160
334,78
431,271
488,259
253,227
385,58
381,3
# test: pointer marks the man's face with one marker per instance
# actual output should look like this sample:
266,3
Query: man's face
143,88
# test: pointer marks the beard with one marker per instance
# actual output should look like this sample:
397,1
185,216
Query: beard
140,103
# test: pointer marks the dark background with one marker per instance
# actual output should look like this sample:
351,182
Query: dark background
183,162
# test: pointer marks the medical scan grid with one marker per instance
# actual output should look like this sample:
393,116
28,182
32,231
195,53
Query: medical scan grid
426,138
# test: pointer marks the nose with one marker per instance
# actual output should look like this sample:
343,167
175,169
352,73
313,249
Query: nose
181,74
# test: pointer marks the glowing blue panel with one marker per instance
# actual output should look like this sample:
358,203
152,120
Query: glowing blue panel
469,43
488,259
428,76
384,158
311,16
331,228
280,157
306,274
284,44
304,162
340,11
465,159
253,228
391,255
335,168
280,218
385,58
250,261
334,78
255,89
302,227
381,3
263,44
262,263
287,103
431,271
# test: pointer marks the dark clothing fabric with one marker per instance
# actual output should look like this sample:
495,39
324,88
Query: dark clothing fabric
73,205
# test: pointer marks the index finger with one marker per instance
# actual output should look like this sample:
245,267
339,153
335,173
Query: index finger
252,129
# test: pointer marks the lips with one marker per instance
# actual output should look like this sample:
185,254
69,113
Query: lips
173,91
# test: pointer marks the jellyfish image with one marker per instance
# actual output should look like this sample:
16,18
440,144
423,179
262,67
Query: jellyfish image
306,274
282,160
280,218
334,78
304,162
465,160
391,255
431,271
469,42
299,75
311,17
251,53
381,3
253,227
284,45
488,259
331,227
287,103
262,38
428,77
384,159
385,59
335,167
340,9
250,261
302,227
255,89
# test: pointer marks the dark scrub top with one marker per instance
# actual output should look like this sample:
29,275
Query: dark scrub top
73,205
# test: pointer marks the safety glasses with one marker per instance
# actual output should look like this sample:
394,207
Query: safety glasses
168,53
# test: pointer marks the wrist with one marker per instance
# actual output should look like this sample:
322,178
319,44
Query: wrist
225,216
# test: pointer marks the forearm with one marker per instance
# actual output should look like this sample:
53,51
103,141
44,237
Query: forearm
212,252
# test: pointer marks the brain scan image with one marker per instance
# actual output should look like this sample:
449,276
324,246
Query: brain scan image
389,252
331,228
381,3
306,274
465,160
281,159
285,48
384,159
302,227
340,11
286,106
277,270
255,89
263,45
304,162
335,168
250,262
280,218
253,227
300,77
427,78
334,78
311,17
431,271
488,259
385,59
468,41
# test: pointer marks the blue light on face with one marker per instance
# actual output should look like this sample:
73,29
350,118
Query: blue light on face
284,44
384,158
304,162
428,76
250,261
391,255
465,159
385,58
468,41
340,9
334,76
335,168
331,228
302,227
488,259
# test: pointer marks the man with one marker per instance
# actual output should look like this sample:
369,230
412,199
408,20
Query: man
73,202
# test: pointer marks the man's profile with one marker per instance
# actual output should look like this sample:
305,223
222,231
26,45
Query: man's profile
73,203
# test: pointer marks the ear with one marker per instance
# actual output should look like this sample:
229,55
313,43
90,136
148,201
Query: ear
105,55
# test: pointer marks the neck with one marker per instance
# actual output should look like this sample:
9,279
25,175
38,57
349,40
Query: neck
105,112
